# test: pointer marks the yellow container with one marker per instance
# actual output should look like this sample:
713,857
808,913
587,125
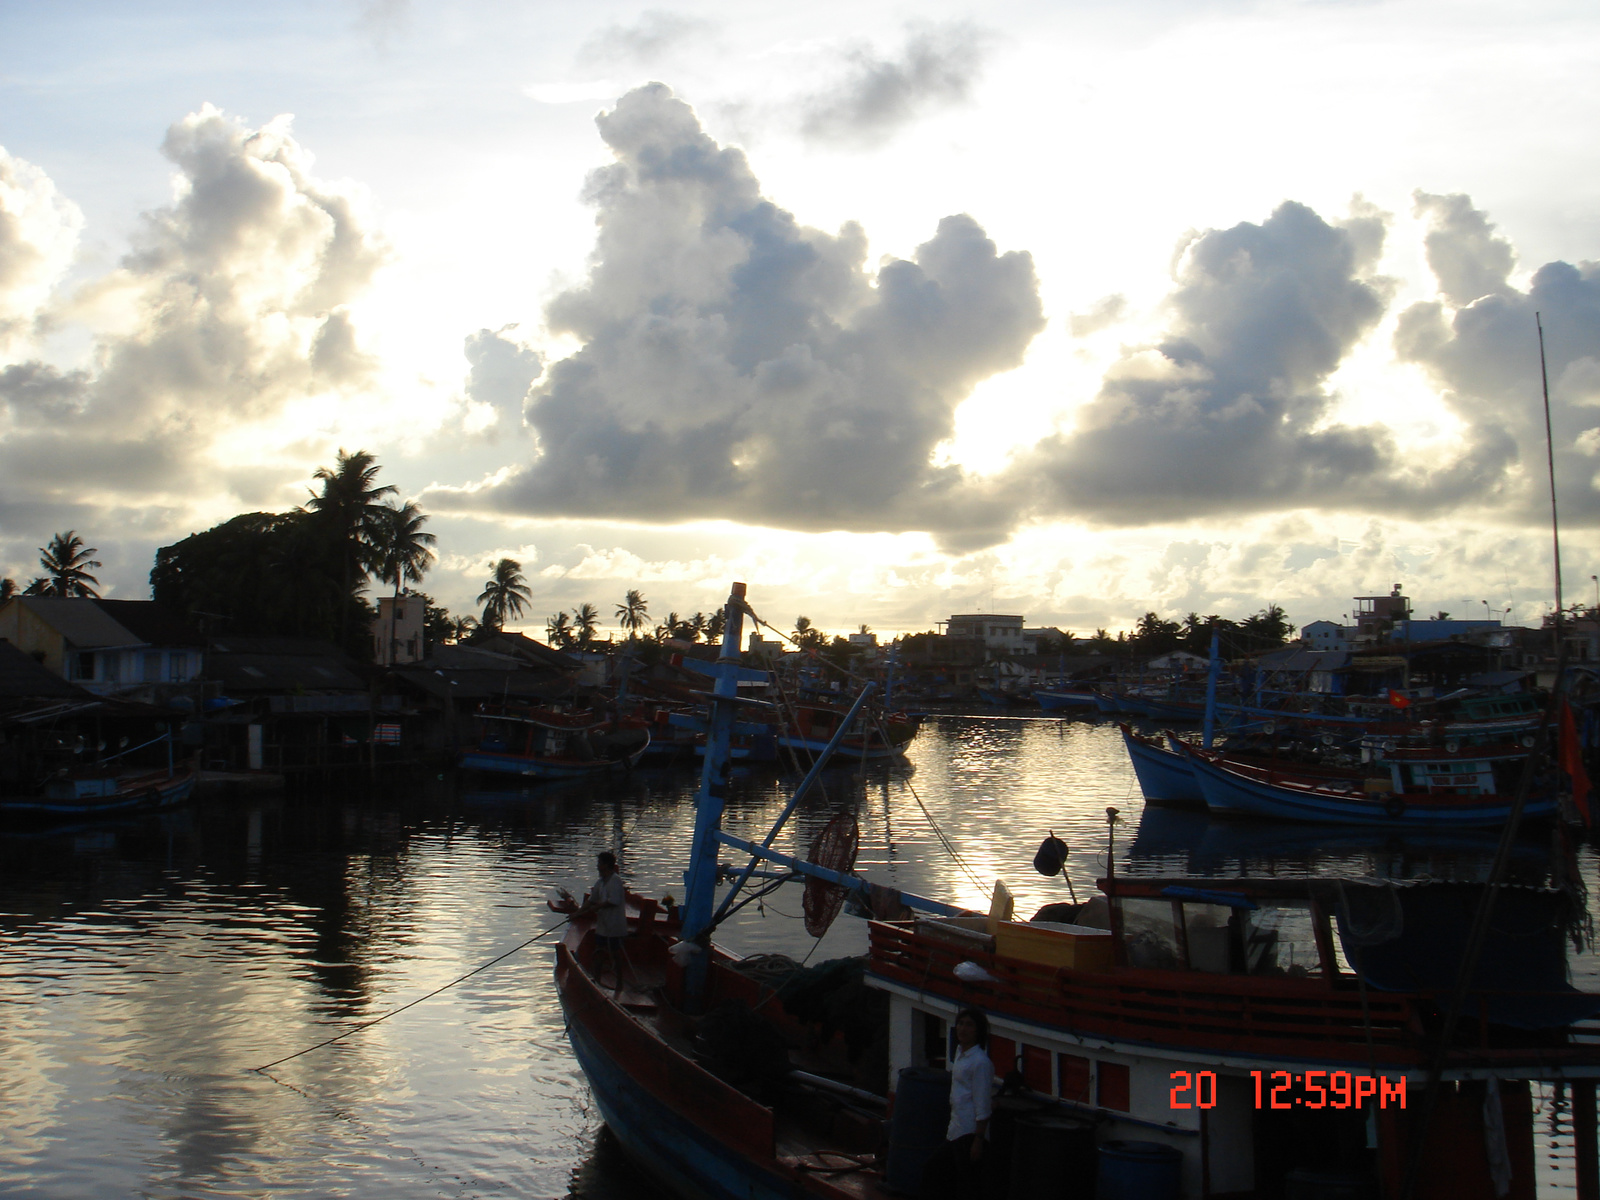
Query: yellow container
1050,944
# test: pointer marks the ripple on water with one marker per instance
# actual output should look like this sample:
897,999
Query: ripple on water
145,970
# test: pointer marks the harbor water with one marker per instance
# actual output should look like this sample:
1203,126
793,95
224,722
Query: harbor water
147,967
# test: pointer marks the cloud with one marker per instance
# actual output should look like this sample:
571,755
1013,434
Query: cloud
736,364
875,96
1230,411
647,39
38,235
231,304
1103,314
1480,346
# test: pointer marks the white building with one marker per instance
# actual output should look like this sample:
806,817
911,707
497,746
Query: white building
1001,633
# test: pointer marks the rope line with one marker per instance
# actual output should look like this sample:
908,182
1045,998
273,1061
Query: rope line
412,1004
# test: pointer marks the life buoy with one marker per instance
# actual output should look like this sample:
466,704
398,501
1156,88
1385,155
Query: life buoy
1394,807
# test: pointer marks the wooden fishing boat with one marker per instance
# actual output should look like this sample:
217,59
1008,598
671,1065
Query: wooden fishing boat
1179,1037
1420,792
811,727
92,792
548,743
1055,699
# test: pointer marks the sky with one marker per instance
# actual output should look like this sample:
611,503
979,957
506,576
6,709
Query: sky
1074,310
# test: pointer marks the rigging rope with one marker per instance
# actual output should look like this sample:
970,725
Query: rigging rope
412,1004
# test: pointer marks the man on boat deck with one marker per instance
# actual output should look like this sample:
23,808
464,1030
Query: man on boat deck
954,1171
608,900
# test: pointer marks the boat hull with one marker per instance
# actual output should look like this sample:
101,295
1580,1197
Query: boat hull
708,1143
1056,701
1228,793
1164,777
162,794
546,768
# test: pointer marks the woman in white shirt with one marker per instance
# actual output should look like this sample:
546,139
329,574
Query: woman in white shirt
955,1170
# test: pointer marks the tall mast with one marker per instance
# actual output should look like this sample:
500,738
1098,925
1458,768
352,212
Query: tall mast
1550,458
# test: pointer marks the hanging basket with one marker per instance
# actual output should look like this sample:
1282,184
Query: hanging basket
835,848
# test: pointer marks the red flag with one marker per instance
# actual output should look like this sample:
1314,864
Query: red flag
1398,700
1569,754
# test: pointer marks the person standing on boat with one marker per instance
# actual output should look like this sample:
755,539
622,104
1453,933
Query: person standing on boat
954,1172
608,900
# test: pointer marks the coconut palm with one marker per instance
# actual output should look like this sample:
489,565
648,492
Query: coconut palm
349,505
351,516
8,589
66,561
715,624
39,585
505,595
633,612
585,622
462,628
808,636
401,553
558,630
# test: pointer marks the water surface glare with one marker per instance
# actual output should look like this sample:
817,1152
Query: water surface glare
147,967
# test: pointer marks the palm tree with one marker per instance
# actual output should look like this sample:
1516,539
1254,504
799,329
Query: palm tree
39,585
462,628
696,627
505,595
585,621
348,507
633,611
558,630
66,561
715,624
400,546
807,636
8,589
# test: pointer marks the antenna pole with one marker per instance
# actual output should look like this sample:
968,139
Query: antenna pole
1550,458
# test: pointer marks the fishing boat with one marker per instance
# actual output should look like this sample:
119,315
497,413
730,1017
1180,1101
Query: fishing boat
1421,791
101,791
1054,699
548,743
811,728
1176,1037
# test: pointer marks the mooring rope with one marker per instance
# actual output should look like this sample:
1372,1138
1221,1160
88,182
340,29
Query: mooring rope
412,1004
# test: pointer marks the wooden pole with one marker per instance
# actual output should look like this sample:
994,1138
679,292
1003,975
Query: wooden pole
1584,1147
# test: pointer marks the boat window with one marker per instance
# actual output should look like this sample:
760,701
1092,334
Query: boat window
1150,934
1281,940
1209,933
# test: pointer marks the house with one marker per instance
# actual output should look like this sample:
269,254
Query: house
294,705
397,630
999,632
436,700
1326,635
109,647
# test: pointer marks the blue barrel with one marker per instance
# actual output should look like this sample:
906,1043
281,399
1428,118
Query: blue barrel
1138,1171
917,1128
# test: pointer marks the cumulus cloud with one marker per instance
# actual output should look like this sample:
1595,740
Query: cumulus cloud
1480,345
231,304
38,235
876,95
1103,313
1231,410
647,39
737,364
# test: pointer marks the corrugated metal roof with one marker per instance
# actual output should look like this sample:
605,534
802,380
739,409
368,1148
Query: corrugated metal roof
82,622
24,678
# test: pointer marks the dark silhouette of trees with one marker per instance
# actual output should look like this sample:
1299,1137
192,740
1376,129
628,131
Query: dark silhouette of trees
505,595
585,623
66,562
633,612
264,573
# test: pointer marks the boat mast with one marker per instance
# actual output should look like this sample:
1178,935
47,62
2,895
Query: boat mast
700,880
1550,458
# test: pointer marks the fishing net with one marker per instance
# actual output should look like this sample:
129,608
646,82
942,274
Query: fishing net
835,848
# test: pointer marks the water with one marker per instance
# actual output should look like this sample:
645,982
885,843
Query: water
146,967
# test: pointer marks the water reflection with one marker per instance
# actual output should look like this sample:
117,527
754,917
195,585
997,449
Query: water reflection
145,967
